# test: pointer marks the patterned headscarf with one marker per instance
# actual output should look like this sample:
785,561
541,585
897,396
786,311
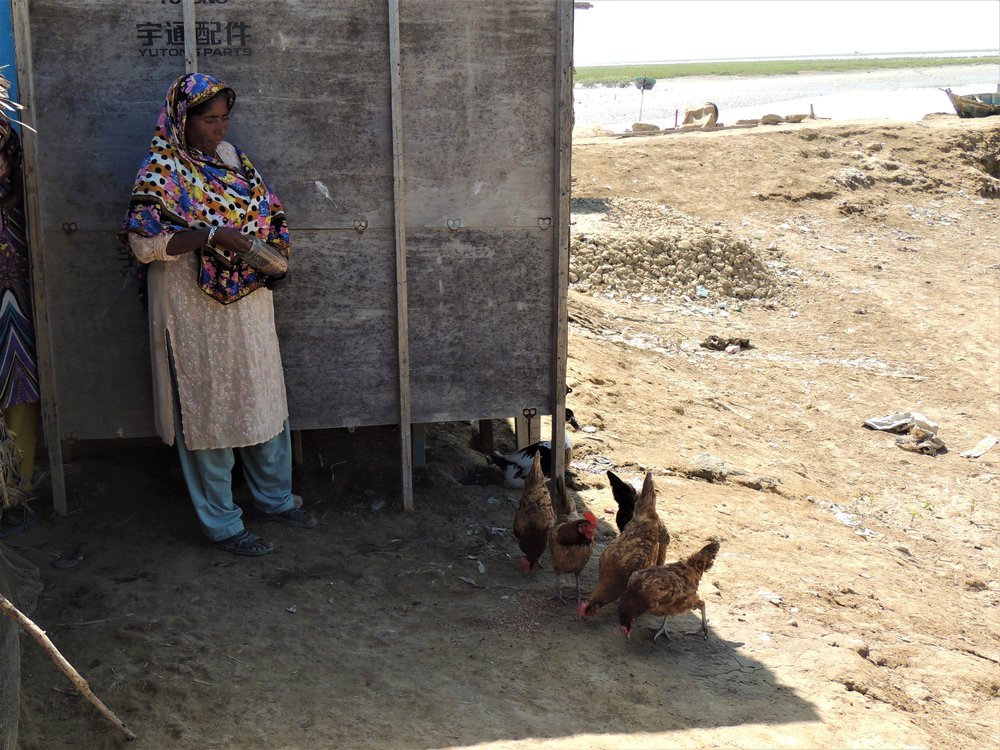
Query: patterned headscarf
180,188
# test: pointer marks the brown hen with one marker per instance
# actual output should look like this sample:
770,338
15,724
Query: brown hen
667,590
643,543
533,517
571,539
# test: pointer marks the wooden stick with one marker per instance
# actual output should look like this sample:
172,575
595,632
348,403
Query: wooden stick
81,684
402,284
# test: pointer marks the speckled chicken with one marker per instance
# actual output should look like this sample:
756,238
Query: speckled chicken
534,517
667,590
643,543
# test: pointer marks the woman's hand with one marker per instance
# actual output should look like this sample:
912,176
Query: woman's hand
226,239
232,240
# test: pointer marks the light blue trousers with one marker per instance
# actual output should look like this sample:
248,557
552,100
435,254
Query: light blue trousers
208,473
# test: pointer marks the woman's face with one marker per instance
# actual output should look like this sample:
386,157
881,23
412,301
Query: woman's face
207,129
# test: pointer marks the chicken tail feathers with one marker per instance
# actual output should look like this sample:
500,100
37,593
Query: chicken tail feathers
536,475
703,559
560,499
646,504
497,459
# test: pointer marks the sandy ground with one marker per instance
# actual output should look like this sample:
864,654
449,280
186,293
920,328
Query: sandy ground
855,600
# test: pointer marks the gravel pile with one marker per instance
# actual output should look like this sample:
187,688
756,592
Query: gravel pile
642,247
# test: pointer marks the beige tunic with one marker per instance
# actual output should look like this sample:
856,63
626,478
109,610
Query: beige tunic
229,375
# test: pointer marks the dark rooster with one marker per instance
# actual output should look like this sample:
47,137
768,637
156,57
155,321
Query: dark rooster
643,543
571,539
667,590
533,517
626,497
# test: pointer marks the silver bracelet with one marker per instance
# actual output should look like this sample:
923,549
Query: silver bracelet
211,237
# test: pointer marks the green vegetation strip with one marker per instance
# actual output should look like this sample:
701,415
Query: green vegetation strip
623,75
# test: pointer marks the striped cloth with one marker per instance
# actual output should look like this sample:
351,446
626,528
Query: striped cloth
18,365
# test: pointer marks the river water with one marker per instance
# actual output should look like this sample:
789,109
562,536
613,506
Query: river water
898,94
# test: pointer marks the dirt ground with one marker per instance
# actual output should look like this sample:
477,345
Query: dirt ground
854,603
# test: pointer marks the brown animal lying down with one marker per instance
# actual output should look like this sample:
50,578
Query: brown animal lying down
666,590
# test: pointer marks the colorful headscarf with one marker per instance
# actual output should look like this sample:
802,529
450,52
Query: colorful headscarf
180,188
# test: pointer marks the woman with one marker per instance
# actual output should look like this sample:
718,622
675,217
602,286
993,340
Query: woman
218,384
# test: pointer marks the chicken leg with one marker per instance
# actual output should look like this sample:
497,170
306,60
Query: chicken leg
662,631
559,589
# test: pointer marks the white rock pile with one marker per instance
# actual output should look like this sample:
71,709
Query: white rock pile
640,247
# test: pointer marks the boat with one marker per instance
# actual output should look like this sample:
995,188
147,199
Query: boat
975,105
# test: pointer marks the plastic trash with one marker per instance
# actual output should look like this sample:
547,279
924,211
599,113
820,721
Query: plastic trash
902,421
981,447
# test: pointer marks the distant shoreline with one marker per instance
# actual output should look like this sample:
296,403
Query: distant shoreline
620,76
908,93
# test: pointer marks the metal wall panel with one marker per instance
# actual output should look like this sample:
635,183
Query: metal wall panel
313,104
479,100
478,104
97,101
480,340
313,111
337,326
101,336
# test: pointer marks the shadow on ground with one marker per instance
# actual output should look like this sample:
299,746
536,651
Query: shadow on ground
378,629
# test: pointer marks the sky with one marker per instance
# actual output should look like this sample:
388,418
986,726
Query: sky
624,31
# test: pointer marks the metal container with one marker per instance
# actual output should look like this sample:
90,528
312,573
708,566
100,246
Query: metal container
266,258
